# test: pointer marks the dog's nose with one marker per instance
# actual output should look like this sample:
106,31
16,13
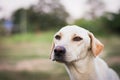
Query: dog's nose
59,51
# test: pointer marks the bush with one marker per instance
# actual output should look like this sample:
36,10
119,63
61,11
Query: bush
94,26
112,22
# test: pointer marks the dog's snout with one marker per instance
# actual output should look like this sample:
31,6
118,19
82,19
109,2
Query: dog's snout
59,50
59,53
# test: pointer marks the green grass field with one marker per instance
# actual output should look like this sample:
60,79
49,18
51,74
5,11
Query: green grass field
26,57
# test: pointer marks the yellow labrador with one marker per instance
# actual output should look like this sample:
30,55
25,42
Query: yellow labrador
78,49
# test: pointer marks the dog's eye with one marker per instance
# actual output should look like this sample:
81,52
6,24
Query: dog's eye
77,38
57,37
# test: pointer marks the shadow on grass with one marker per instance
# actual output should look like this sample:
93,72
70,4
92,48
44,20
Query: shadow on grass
25,75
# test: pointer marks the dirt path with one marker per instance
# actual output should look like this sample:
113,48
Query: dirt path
29,65
41,64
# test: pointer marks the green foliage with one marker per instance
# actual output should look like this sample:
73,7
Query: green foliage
112,22
37,21
44,21
42,37
36,18
2,30
94,26
106,24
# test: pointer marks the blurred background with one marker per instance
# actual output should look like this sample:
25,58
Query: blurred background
27,28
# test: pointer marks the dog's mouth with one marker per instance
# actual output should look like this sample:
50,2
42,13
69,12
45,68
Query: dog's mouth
59,59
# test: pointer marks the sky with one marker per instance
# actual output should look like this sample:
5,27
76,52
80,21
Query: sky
9,6
76,8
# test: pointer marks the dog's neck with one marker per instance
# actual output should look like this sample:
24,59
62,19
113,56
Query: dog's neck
81,70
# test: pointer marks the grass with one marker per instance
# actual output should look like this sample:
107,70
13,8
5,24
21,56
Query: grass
25,75
25,48
25,51
30,37
112,45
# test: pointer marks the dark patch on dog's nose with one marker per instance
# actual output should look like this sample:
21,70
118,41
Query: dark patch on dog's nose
59,53
59,50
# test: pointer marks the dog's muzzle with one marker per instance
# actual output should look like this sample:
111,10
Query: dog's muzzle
59,53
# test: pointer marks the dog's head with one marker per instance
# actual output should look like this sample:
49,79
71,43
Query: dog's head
72,43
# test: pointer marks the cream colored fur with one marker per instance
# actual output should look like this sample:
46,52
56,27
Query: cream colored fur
82,60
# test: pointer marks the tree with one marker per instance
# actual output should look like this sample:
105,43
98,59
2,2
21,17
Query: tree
52,14
19,19
112,22
47,14
51,7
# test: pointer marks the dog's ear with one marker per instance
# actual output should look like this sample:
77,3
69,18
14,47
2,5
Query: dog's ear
52,48
96,45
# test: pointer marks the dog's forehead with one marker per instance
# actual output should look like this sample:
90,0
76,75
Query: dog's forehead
73,30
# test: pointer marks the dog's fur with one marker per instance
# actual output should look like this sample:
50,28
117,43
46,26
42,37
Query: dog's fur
81,58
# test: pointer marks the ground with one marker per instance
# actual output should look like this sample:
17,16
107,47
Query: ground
26,57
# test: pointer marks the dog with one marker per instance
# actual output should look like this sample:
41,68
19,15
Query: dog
78,49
